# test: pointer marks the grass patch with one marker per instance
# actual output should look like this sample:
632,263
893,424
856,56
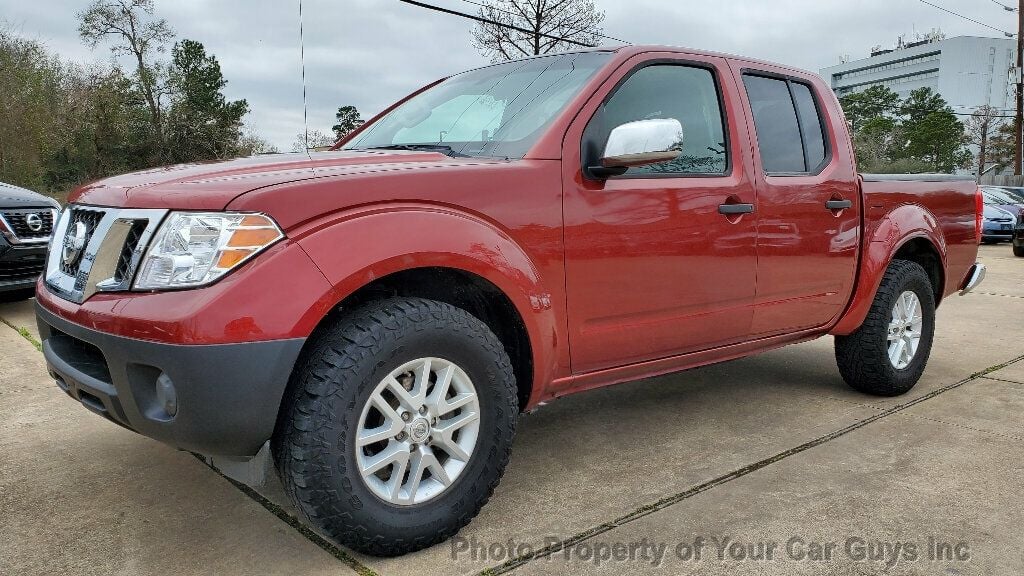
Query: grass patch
25,334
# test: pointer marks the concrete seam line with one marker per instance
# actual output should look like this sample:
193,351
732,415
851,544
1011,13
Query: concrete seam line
24,334
966,427
1003,380
733,475
295,523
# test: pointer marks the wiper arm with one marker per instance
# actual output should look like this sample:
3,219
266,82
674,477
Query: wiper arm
431,147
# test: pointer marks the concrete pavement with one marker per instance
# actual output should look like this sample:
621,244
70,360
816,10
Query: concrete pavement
761,449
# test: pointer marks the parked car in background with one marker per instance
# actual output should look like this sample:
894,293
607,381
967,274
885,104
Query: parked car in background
26,221
1018,237
999,224
1007,198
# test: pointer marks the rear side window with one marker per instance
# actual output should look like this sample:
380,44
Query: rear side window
790,132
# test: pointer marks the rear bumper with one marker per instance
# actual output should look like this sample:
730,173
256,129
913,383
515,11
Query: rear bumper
974,277
228,395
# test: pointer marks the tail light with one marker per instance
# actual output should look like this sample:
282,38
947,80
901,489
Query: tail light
979,212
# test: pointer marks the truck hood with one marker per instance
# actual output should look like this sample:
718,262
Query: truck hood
213,185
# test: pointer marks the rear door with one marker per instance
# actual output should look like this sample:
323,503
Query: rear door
808,204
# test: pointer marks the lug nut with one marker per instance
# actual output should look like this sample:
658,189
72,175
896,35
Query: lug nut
414,447
423,409
406,416
400,436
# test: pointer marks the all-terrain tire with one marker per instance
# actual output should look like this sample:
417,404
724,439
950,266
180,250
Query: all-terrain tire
863,356
313,444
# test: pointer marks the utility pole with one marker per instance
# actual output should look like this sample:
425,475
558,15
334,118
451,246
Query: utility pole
1019,121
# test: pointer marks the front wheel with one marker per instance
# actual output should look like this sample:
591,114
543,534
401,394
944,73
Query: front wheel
398,425
1018,250
887,354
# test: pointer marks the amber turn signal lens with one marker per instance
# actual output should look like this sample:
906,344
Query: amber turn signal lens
230,258
255,220
244,238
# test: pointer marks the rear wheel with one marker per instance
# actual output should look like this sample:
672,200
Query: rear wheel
888,353
398,425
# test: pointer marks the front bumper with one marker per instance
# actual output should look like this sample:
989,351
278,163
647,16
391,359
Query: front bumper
228,395
20,266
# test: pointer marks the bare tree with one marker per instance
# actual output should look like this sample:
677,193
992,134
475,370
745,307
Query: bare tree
533,27
314,140
980,129
135,33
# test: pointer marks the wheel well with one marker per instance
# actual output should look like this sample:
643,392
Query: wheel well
465,290
923,252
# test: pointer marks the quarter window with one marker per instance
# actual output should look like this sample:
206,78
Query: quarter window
790,131
810,123
686,93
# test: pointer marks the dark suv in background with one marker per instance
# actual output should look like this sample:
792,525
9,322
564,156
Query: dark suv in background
26,221
1018,236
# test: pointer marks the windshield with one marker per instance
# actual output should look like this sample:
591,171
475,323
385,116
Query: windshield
1001,196
499,111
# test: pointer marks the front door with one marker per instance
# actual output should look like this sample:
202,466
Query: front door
653,268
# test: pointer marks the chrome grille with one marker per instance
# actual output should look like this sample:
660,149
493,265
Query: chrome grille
126,263
21,222
91,219
110,244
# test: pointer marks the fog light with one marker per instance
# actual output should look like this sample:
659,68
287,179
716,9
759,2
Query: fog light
166,395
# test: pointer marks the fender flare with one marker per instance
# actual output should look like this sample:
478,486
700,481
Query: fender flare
900,226
354,248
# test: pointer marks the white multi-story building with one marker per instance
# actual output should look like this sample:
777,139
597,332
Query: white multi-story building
967,71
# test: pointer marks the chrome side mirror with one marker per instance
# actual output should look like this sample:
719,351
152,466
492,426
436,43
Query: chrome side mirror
641,143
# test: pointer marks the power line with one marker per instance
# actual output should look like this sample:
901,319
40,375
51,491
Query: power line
947,10
487,21
496,9
1005,7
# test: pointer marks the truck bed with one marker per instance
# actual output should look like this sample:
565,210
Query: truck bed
949,199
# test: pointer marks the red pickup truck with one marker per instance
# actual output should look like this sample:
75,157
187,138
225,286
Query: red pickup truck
378,315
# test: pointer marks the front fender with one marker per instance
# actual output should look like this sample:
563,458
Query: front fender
895,229
357,247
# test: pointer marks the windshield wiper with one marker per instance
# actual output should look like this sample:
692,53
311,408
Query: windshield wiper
431,147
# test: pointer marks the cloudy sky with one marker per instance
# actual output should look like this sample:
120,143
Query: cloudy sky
370,52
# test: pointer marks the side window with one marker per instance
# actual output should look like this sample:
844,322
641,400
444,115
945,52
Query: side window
778,131
685,93
790,132
810,123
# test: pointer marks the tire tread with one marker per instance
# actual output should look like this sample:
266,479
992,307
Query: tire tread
302,450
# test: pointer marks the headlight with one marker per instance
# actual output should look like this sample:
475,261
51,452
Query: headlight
195,248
